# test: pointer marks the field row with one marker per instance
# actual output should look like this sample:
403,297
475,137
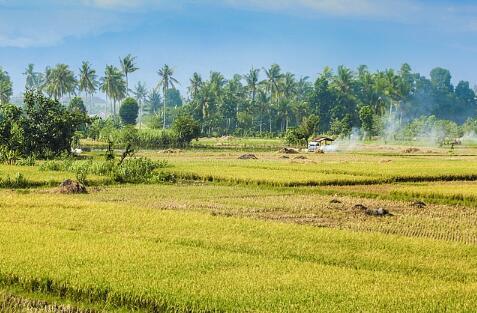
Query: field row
274,169
317,169
305,205
150,258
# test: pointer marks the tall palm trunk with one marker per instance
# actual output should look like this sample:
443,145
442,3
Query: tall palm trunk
164,91
127,83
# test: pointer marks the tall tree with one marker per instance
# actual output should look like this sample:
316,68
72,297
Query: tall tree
274,76
33,80
5,87
252,83
195,84
113,85
128,65
166,81
140,93
60,81
154,101
87,80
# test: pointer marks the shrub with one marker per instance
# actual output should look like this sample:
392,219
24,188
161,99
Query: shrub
77,104
129,111
18,182
186,129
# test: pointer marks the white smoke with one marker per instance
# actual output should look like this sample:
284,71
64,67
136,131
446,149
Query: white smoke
469,138
345,144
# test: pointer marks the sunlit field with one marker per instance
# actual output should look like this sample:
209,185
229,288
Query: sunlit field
127,256
358,167
271,234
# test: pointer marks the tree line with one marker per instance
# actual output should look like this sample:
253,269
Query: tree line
266,101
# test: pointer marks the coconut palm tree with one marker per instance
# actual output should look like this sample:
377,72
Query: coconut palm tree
166,81
5,87
113,85
273,87
60,81
154,101
33,80
141,93
87,80
128,66
252,82
288,89
195,84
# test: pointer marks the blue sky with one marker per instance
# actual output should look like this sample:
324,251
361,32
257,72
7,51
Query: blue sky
231,36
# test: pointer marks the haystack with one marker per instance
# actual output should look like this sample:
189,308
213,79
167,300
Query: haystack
248,156
70,186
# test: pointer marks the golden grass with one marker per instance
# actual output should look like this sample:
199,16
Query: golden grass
124,255
317,169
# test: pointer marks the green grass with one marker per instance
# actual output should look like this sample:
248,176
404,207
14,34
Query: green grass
34,177
119,255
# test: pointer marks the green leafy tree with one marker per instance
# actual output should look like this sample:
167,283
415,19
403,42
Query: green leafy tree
11,134
174,98
77,104
367,119
48,127
301,134
129,111
186,129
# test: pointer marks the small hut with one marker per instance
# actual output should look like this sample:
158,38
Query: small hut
319,142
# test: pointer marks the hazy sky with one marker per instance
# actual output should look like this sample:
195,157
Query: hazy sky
231,36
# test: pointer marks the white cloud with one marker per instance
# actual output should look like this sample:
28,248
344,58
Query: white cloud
26,28
25,23
375,8
117,3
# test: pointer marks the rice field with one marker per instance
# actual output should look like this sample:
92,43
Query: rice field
153,259
273,234
310,169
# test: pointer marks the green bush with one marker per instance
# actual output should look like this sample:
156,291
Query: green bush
19,181
133,170
129,111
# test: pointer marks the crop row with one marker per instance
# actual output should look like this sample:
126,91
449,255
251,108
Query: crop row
92,250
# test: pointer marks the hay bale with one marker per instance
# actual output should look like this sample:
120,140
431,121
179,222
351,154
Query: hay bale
411,150
70,186
360,207
418,204
170,151
378,212
288,150
248,156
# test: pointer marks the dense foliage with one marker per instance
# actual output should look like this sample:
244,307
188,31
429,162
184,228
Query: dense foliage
43,127
129,111
268,101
